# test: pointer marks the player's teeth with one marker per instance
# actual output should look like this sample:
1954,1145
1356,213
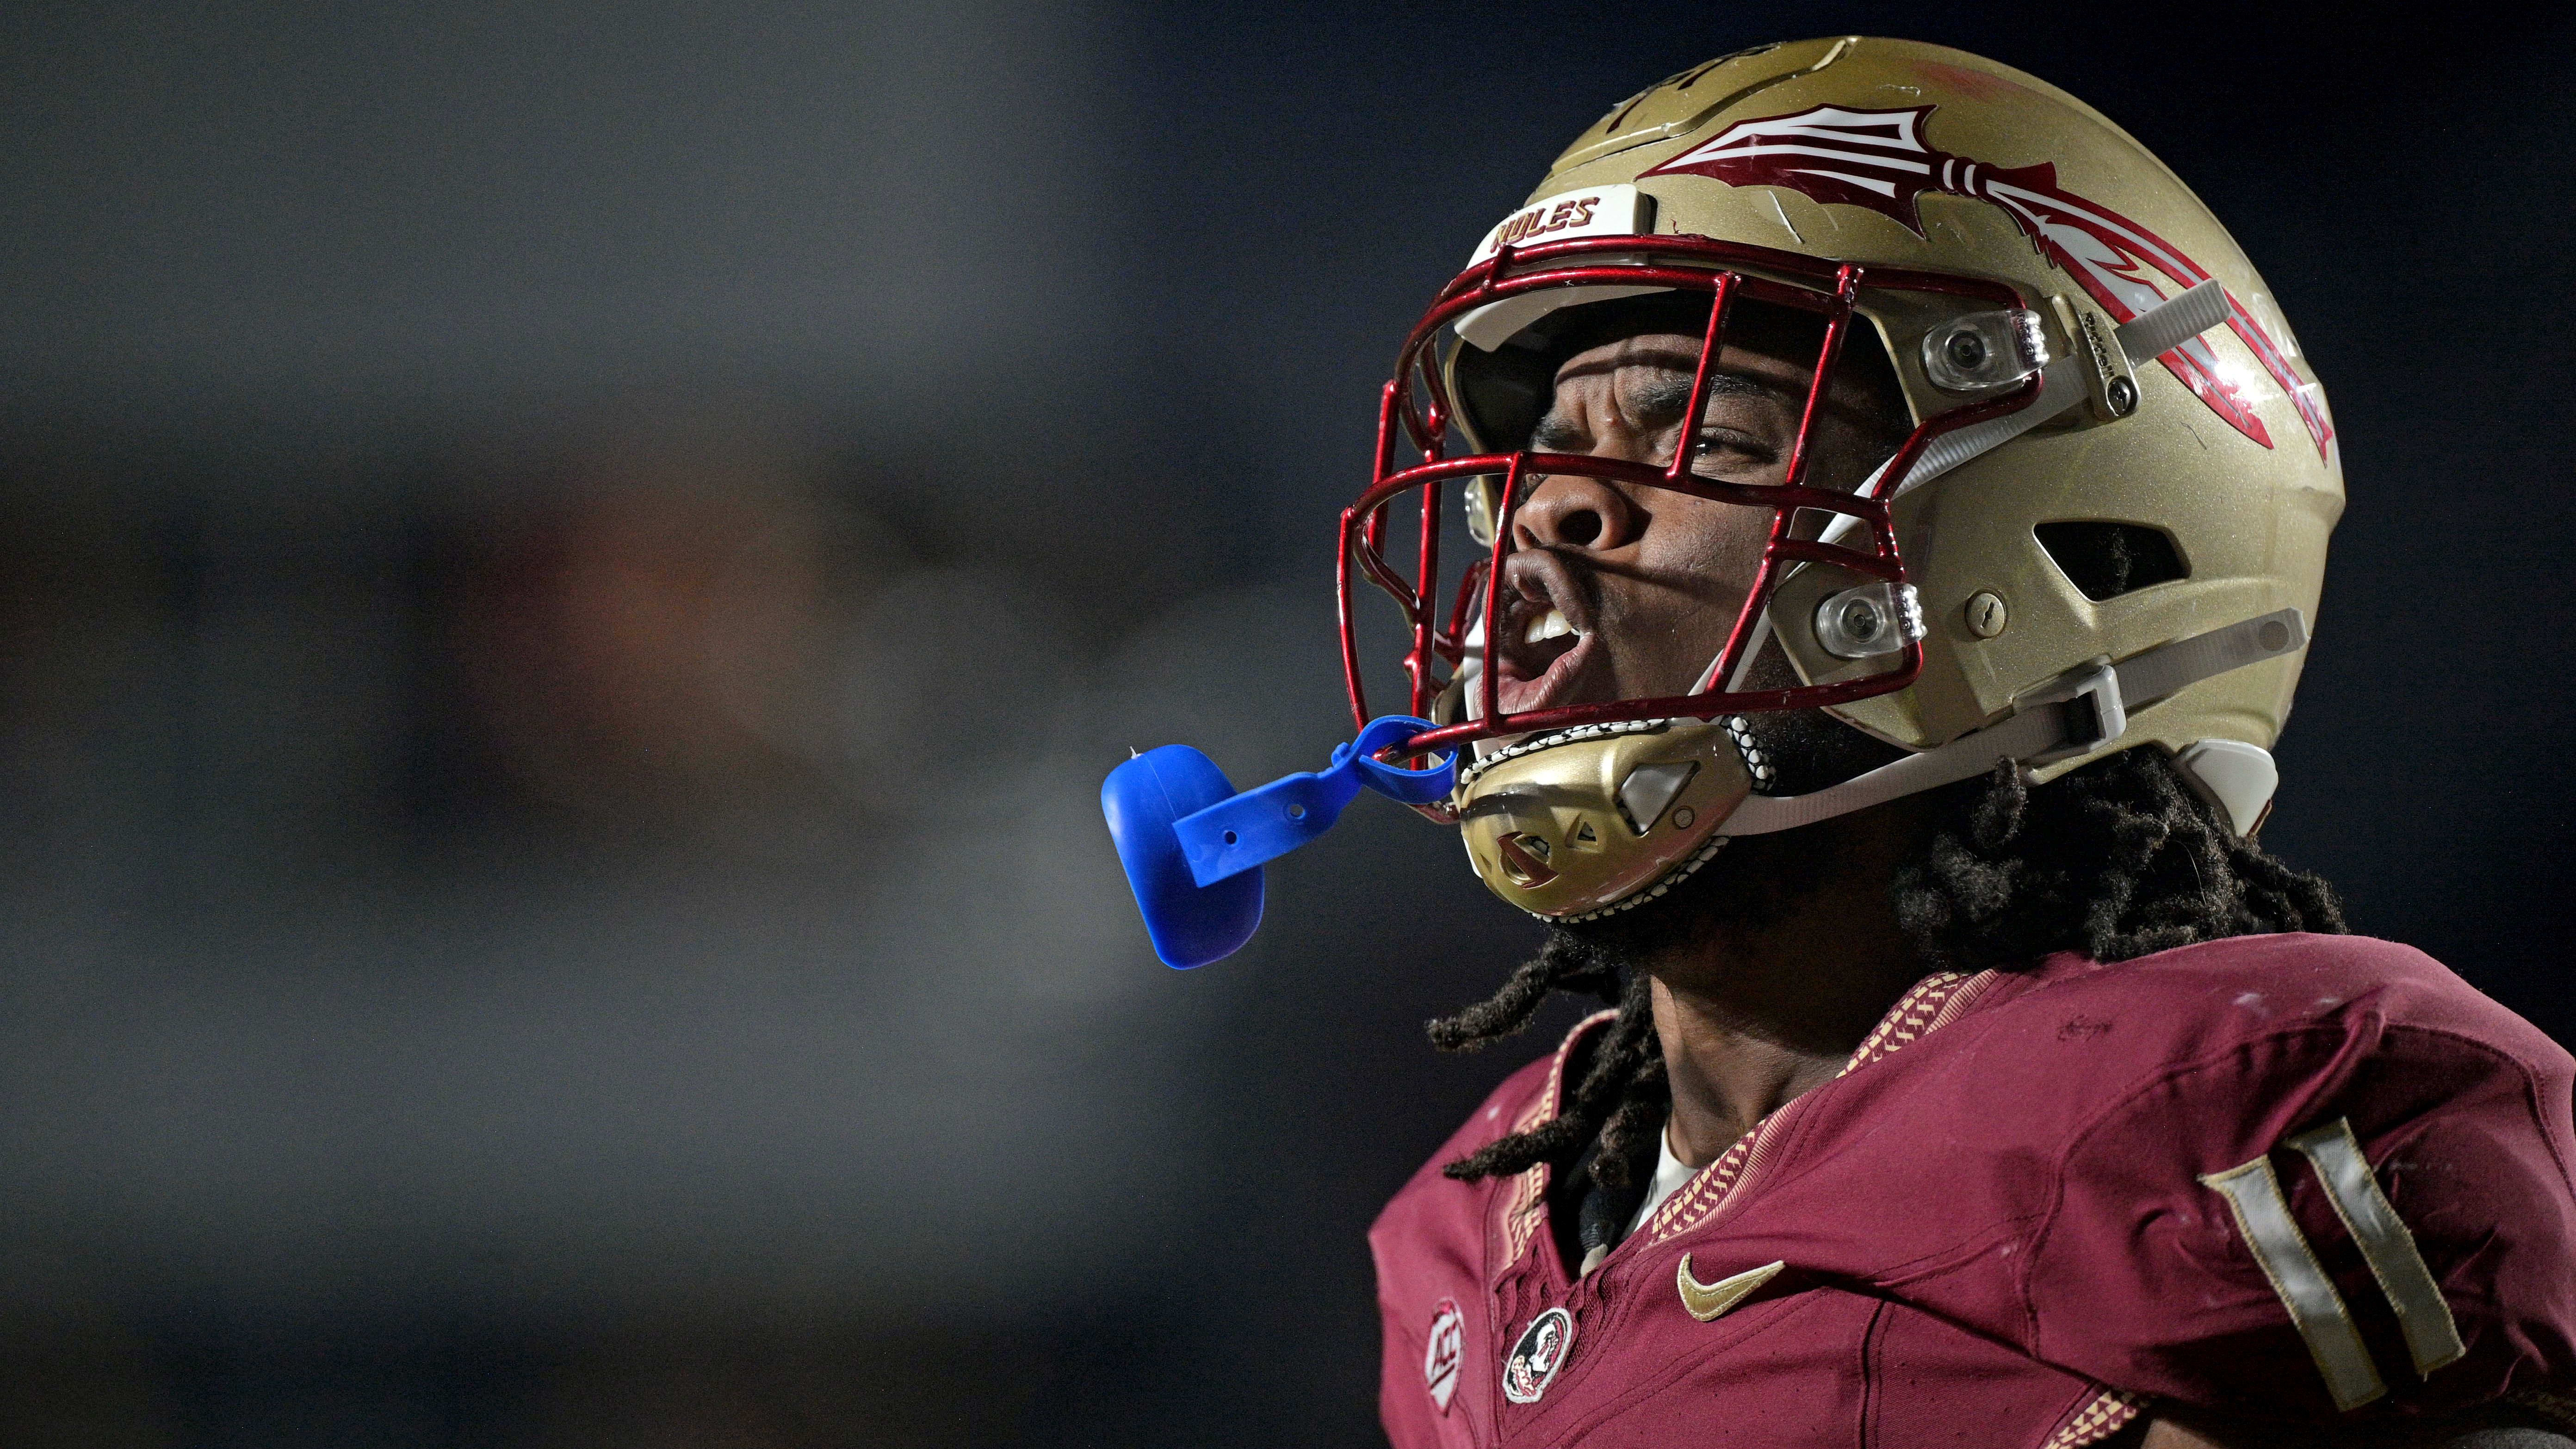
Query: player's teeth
1550,625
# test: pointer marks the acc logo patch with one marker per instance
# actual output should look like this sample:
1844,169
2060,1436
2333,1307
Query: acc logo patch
1440,1358
1539,1354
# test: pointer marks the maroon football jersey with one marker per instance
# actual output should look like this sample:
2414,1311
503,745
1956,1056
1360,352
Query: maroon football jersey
2277,1176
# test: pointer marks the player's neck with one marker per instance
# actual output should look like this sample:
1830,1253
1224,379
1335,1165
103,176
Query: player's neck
1751,1018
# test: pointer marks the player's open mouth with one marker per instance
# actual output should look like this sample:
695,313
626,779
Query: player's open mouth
1547,635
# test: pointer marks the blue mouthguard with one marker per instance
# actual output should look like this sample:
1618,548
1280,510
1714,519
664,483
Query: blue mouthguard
1193,848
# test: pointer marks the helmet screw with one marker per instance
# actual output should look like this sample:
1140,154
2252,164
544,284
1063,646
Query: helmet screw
1986,615
2124,397
1967,351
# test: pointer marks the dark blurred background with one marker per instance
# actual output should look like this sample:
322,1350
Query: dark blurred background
568,574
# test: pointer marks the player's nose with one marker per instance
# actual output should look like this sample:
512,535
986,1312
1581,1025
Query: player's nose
1577,512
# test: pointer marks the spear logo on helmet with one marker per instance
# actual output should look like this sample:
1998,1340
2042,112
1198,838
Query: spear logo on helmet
1880,160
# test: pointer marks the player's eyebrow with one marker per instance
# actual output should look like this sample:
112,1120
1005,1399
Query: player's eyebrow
1652,403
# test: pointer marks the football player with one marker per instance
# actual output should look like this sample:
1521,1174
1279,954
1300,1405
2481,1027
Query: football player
1862,521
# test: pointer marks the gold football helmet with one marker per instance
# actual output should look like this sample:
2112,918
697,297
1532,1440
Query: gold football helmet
2091,369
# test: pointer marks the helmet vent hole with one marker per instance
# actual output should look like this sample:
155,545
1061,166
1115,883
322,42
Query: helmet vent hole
2106,560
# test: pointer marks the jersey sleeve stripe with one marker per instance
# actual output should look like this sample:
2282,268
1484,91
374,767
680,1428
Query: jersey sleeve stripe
2432,1338
2316,1310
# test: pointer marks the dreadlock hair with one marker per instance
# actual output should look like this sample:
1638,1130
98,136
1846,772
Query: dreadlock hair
1620,1097
2118,859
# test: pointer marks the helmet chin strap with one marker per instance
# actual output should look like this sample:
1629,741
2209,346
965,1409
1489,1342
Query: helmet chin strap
2075,714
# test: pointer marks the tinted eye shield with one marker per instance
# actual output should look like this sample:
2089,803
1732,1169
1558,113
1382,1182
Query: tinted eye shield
1427,444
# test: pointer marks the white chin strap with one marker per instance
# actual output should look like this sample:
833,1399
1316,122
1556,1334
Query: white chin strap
2079,713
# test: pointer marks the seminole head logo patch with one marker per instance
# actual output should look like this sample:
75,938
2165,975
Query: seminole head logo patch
1880,160
1534,1360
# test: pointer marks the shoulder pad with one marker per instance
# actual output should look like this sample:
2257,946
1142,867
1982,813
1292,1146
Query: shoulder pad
2343,1179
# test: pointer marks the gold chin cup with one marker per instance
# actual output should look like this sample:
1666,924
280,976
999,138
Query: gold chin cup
1571,828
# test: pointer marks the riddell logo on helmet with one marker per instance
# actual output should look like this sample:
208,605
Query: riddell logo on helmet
1880,160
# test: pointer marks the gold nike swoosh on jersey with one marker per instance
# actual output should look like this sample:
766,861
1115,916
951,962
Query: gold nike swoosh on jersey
1706,1301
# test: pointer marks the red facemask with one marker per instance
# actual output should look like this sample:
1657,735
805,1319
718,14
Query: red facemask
1445,617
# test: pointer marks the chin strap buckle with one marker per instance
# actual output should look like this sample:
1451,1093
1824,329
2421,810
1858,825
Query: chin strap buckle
2090,711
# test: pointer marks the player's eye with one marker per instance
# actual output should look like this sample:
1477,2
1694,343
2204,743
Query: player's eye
1720,452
